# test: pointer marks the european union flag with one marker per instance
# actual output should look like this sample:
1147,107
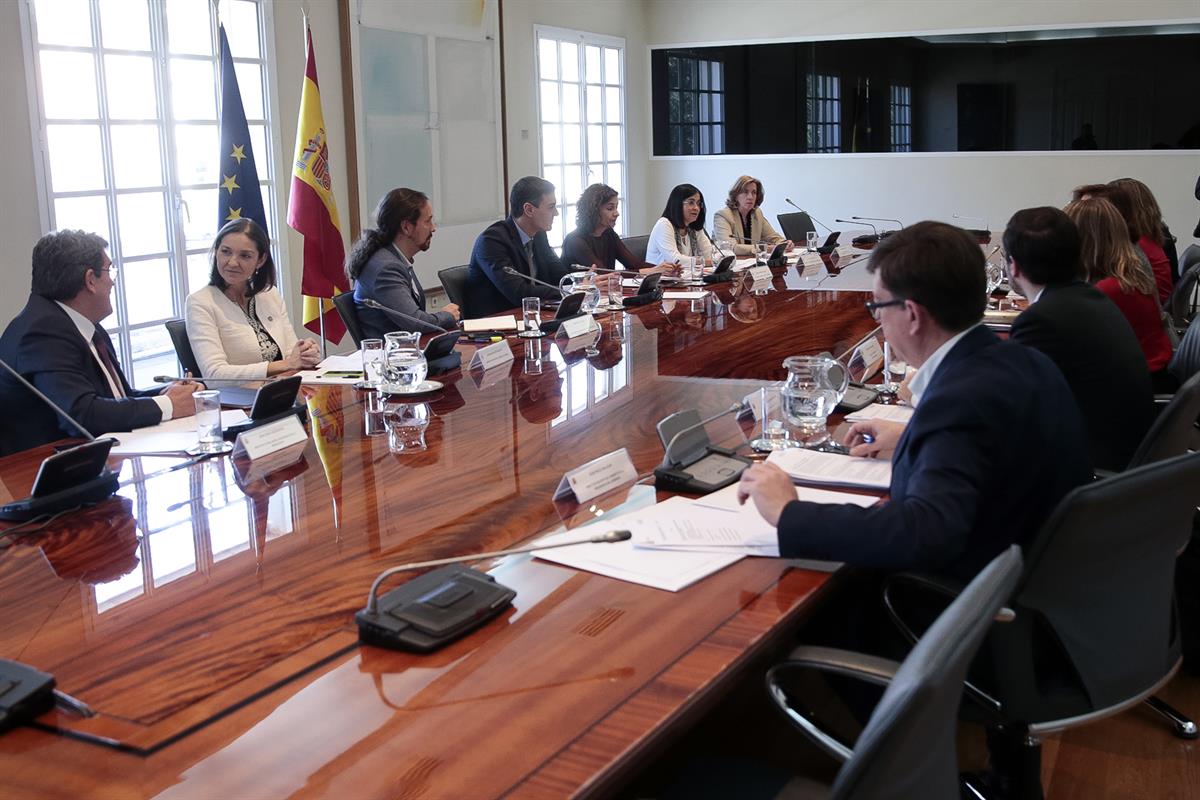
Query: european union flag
239,192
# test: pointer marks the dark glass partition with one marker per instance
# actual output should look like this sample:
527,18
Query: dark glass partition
1109,88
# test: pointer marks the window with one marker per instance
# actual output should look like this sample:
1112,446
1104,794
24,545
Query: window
695,105
126,104
901,119
824,113
581,108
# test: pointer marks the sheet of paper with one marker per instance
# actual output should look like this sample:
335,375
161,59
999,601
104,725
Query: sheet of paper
811,466
174,436
342,363
323,377
891,413
744,263
683,523
696,295
726,499
506,322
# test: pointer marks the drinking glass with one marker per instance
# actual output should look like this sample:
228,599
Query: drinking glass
812,241
616,295
687,267
372,360
764,253
209,437
406,424
888,385
814,387
773,435
405,367
531,313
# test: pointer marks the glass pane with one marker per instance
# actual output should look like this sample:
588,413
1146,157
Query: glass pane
83,213
718,107
193,95
551,144
130,82
188,28
196,153
198,269
616,178
704,72
554,174
571,145
199,217
63,22
570,101
594,112
135,156
146,370
151,343
249,77
595,142
258,146
570,61
716,76
572,184
147,286
612,104
125,24
241,28
703,104
705,142
612,67
614,142
718,139
69,85
548,59
591,65
142,219
173,553
672,71
76,163
550,110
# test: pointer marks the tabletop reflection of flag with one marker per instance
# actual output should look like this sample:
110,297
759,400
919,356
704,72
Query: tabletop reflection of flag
239,193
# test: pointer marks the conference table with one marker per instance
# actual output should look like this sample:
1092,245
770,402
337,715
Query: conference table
206,614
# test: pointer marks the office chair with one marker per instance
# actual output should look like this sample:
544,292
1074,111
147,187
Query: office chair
1186,361
454,281
796,225
1174,432
637,245
1096,631
907,748
1183,303
344,303
177,330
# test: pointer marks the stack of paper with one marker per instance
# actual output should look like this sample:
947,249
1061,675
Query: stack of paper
344,369
888,413
505,322
831,469
174,436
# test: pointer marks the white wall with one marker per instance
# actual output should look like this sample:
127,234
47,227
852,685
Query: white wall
912,187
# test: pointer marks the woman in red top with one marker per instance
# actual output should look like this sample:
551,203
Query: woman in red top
1147,228
1110,262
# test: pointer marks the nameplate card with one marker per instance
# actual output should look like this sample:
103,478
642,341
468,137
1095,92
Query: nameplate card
491,356
845,251
872,356
597,477
576,326
760,274
754,400
811,264
272,437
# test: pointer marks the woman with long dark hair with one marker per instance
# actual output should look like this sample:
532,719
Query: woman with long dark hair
679,232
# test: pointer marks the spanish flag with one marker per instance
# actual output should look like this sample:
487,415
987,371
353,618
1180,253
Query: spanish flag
313,212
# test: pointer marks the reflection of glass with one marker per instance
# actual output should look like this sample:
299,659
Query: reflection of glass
773,435
404,365
406,424
814,387
593,340
533,358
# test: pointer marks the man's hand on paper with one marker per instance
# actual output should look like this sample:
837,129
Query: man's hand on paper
871,437
769,487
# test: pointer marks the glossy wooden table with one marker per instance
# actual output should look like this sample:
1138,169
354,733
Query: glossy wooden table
207,615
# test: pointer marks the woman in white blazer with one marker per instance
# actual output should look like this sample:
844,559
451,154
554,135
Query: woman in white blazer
680,230
742,221
237,325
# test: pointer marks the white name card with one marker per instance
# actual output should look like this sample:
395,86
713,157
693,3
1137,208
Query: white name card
872,354
760,274
269,438
491,356
576,326
597,477
811,264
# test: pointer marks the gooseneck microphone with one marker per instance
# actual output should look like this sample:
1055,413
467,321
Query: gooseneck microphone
194,379
851,221
899,224
810,216
736,408
400,315
530,278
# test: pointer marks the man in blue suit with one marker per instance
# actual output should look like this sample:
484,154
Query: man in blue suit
996,440
517,243
58,345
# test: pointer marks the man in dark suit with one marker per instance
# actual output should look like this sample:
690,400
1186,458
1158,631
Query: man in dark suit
518,243
58,345
1082,331
995,442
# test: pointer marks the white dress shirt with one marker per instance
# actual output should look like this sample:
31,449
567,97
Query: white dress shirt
920,381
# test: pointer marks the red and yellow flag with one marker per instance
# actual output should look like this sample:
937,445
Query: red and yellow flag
313,212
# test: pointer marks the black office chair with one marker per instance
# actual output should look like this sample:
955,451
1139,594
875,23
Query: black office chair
344,303
177,330
1186,360
795,226
454,281
907,748
1184,302
1096,631
1174,432
637,245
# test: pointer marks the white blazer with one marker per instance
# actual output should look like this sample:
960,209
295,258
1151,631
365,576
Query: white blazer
224,343
662,245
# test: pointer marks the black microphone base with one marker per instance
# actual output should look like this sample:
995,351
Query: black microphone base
448,362
642,299
433,610
89,492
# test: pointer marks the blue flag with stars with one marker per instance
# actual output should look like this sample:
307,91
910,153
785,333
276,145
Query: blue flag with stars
239,192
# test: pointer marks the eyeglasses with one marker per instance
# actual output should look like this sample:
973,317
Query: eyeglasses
873,306
112,270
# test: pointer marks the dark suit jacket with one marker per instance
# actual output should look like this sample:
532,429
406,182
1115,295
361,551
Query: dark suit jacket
1088,337
43,344
993,446
391,282
490,290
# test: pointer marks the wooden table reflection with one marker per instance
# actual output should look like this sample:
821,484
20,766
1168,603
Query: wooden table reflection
207,613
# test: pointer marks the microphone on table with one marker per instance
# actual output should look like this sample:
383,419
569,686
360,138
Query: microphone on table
438,607
68,479
400,315
899,224
810,216
530,278
874,230
984,234
194,379
739,408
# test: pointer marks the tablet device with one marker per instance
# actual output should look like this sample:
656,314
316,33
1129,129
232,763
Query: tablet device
441,345
830,243
275,397
650,284
778,254
72,467
570,305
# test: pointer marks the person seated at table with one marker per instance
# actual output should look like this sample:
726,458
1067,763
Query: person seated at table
57,343
1081,330
962,488
594,243
237,324
381,266
517,242
1154,237
1122,201
679,231
742,221
1111,264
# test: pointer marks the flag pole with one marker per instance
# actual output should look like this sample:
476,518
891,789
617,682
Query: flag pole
321,308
